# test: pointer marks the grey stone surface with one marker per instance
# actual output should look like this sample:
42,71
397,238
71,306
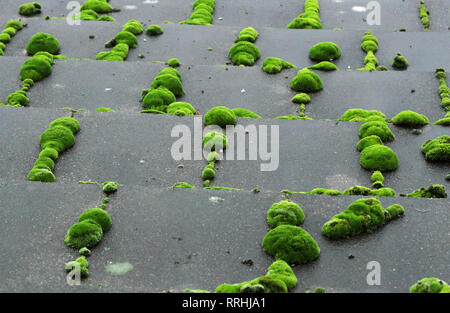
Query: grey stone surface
182,239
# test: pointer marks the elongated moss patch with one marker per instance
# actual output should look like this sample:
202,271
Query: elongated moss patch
244,113
361,115
273,65
410,119
309,19
202,13
291,244
285,213
220,116
306,81
369,44
363,215
324,51
182,185
443,121
423,14
438,149
430,285
433,191
28,9
324,66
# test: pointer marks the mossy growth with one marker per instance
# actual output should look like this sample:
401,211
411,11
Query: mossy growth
87,233
378,128
324,66
202,13
292,117
104,109
133,26
16,24
438,149
100,216
220,116
363,215
158,99
325,191
106,18
248,34
86,15
368,141
291,244
110,187
444,91
214,141
10,31
174,62
361,115
274,65
377,179
319,290
433,191
127,38
208,173
28,9
154,30
430,285
81,263
99,6
244,113
306,81
400,62
84,251
379,157
324,51
42,42
301,98
183,185
180,109
369,44
443,121
285,213
5,38
169,78
244,53
18,99
410,119
309,18
423,14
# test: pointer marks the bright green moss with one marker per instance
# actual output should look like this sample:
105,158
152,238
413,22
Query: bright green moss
379,157
104,109
42,42
5,38
15,24
68,122
110,187
208,173
443,121
433,191
306,81
378,128
410,119
368,43
174,62
377,178
154,30
86,15
84,234
101,217
394,211
361,115
220,116
262,284
202,14
10,31
325,191
244,53
291,244
84,251
324,66
282,271
285,213
400,62
292,117
97,6
170,71
381,68
182,185
213,156
363,215
106,18
309,19
49,153
58,137
324,51
17,98
301,98
171,82
423,14
28,9
44,163
429,285
134,27
82,265
319,290
368,141
244,113
357,191
383,192
42,175
248,34
437,149
121,49
273,65
158,98
126,38
180,109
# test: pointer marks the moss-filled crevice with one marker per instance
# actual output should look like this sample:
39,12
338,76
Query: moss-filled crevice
202,14
309,18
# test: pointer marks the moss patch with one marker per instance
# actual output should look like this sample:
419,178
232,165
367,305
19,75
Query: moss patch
84,234
42,42
423,14
100,216
29,9
433,191
202,13
324,66
306,81
400,62
438,149
154,30
430,285
285,213
244,113
309,19
98,6
378,128
220,116
244,53
379,157
274,65
324,51
410,119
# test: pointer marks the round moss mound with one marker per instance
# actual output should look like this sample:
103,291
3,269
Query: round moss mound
180,109
15,24
368,141
99,6
361,115
306,81
410,119
324,66
110,187
437,149
42,175
57,137
214,141
324,51
35,68
134,27
174,62
379,157
42,42
282,271
68,122
400,62
244,53
220,116
154,30
430,285
291,244
158,98
378,128
285,213
84,234
273,65
248,34
100,216
301,98
169,81
127,38
28,9
208,173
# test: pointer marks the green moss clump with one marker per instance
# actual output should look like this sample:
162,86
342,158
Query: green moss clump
400,62
324,51
101,217
437,149
301,98
379,157
68,122
423,14
369,44
127,38
110,187
35,68
97,6
220,116
363,215
433,191
324,66
319,290
58,137
83,266
208,173
154,30
180,109
410,119
325,191
10,31
42,42
361,115
134,27
443,121
158,99
282,271
285,213
306,81
357,191
174,62
213,141
213,156
17,98
248,34
86,15
383,192
106,18
49,153
309,19
16,24
84,234
244,53
5,38
291,244
378,128
182,185
273,65
394,211
28,9
42,175
244,113
202,13
377,178
430,285
368,141
84,251
169,81
104,109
